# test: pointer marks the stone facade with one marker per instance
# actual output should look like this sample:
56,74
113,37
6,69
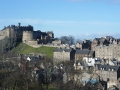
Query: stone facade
27,36
79,45
109,73
106,48
112,51
79,54
57,42
86,44
60,55
98,42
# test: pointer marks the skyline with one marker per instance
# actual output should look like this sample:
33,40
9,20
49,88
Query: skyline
80,18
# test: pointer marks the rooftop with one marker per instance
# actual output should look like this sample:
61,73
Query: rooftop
108,67
61,50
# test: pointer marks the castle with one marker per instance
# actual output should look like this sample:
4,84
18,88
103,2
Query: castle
26,34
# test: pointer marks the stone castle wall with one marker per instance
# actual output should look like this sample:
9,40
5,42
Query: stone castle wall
27,36
4,33
14,31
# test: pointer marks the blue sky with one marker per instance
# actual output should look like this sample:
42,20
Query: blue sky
80,18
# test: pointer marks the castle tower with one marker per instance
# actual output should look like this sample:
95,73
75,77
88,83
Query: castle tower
27,36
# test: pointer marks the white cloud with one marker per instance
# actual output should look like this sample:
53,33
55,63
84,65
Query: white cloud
60,22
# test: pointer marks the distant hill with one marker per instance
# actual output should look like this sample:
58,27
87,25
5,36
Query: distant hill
25,49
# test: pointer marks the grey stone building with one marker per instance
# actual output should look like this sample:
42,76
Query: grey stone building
60,55
86,44
112,51
79,54
99,42
109,74
106,47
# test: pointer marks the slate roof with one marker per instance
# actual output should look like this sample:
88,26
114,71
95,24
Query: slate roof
84,52
107,67
61,50
91,52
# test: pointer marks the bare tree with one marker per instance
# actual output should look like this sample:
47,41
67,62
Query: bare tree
68,39
71,39
7,44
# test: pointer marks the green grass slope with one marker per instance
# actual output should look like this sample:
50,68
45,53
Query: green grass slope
25,49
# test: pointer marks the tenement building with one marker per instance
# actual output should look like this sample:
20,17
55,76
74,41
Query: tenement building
109,74
112,51
99,42
79,54
60,55
106,48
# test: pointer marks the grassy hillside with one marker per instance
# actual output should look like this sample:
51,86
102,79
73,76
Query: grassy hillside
25,49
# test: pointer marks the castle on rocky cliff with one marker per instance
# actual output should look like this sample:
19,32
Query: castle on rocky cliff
26,34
